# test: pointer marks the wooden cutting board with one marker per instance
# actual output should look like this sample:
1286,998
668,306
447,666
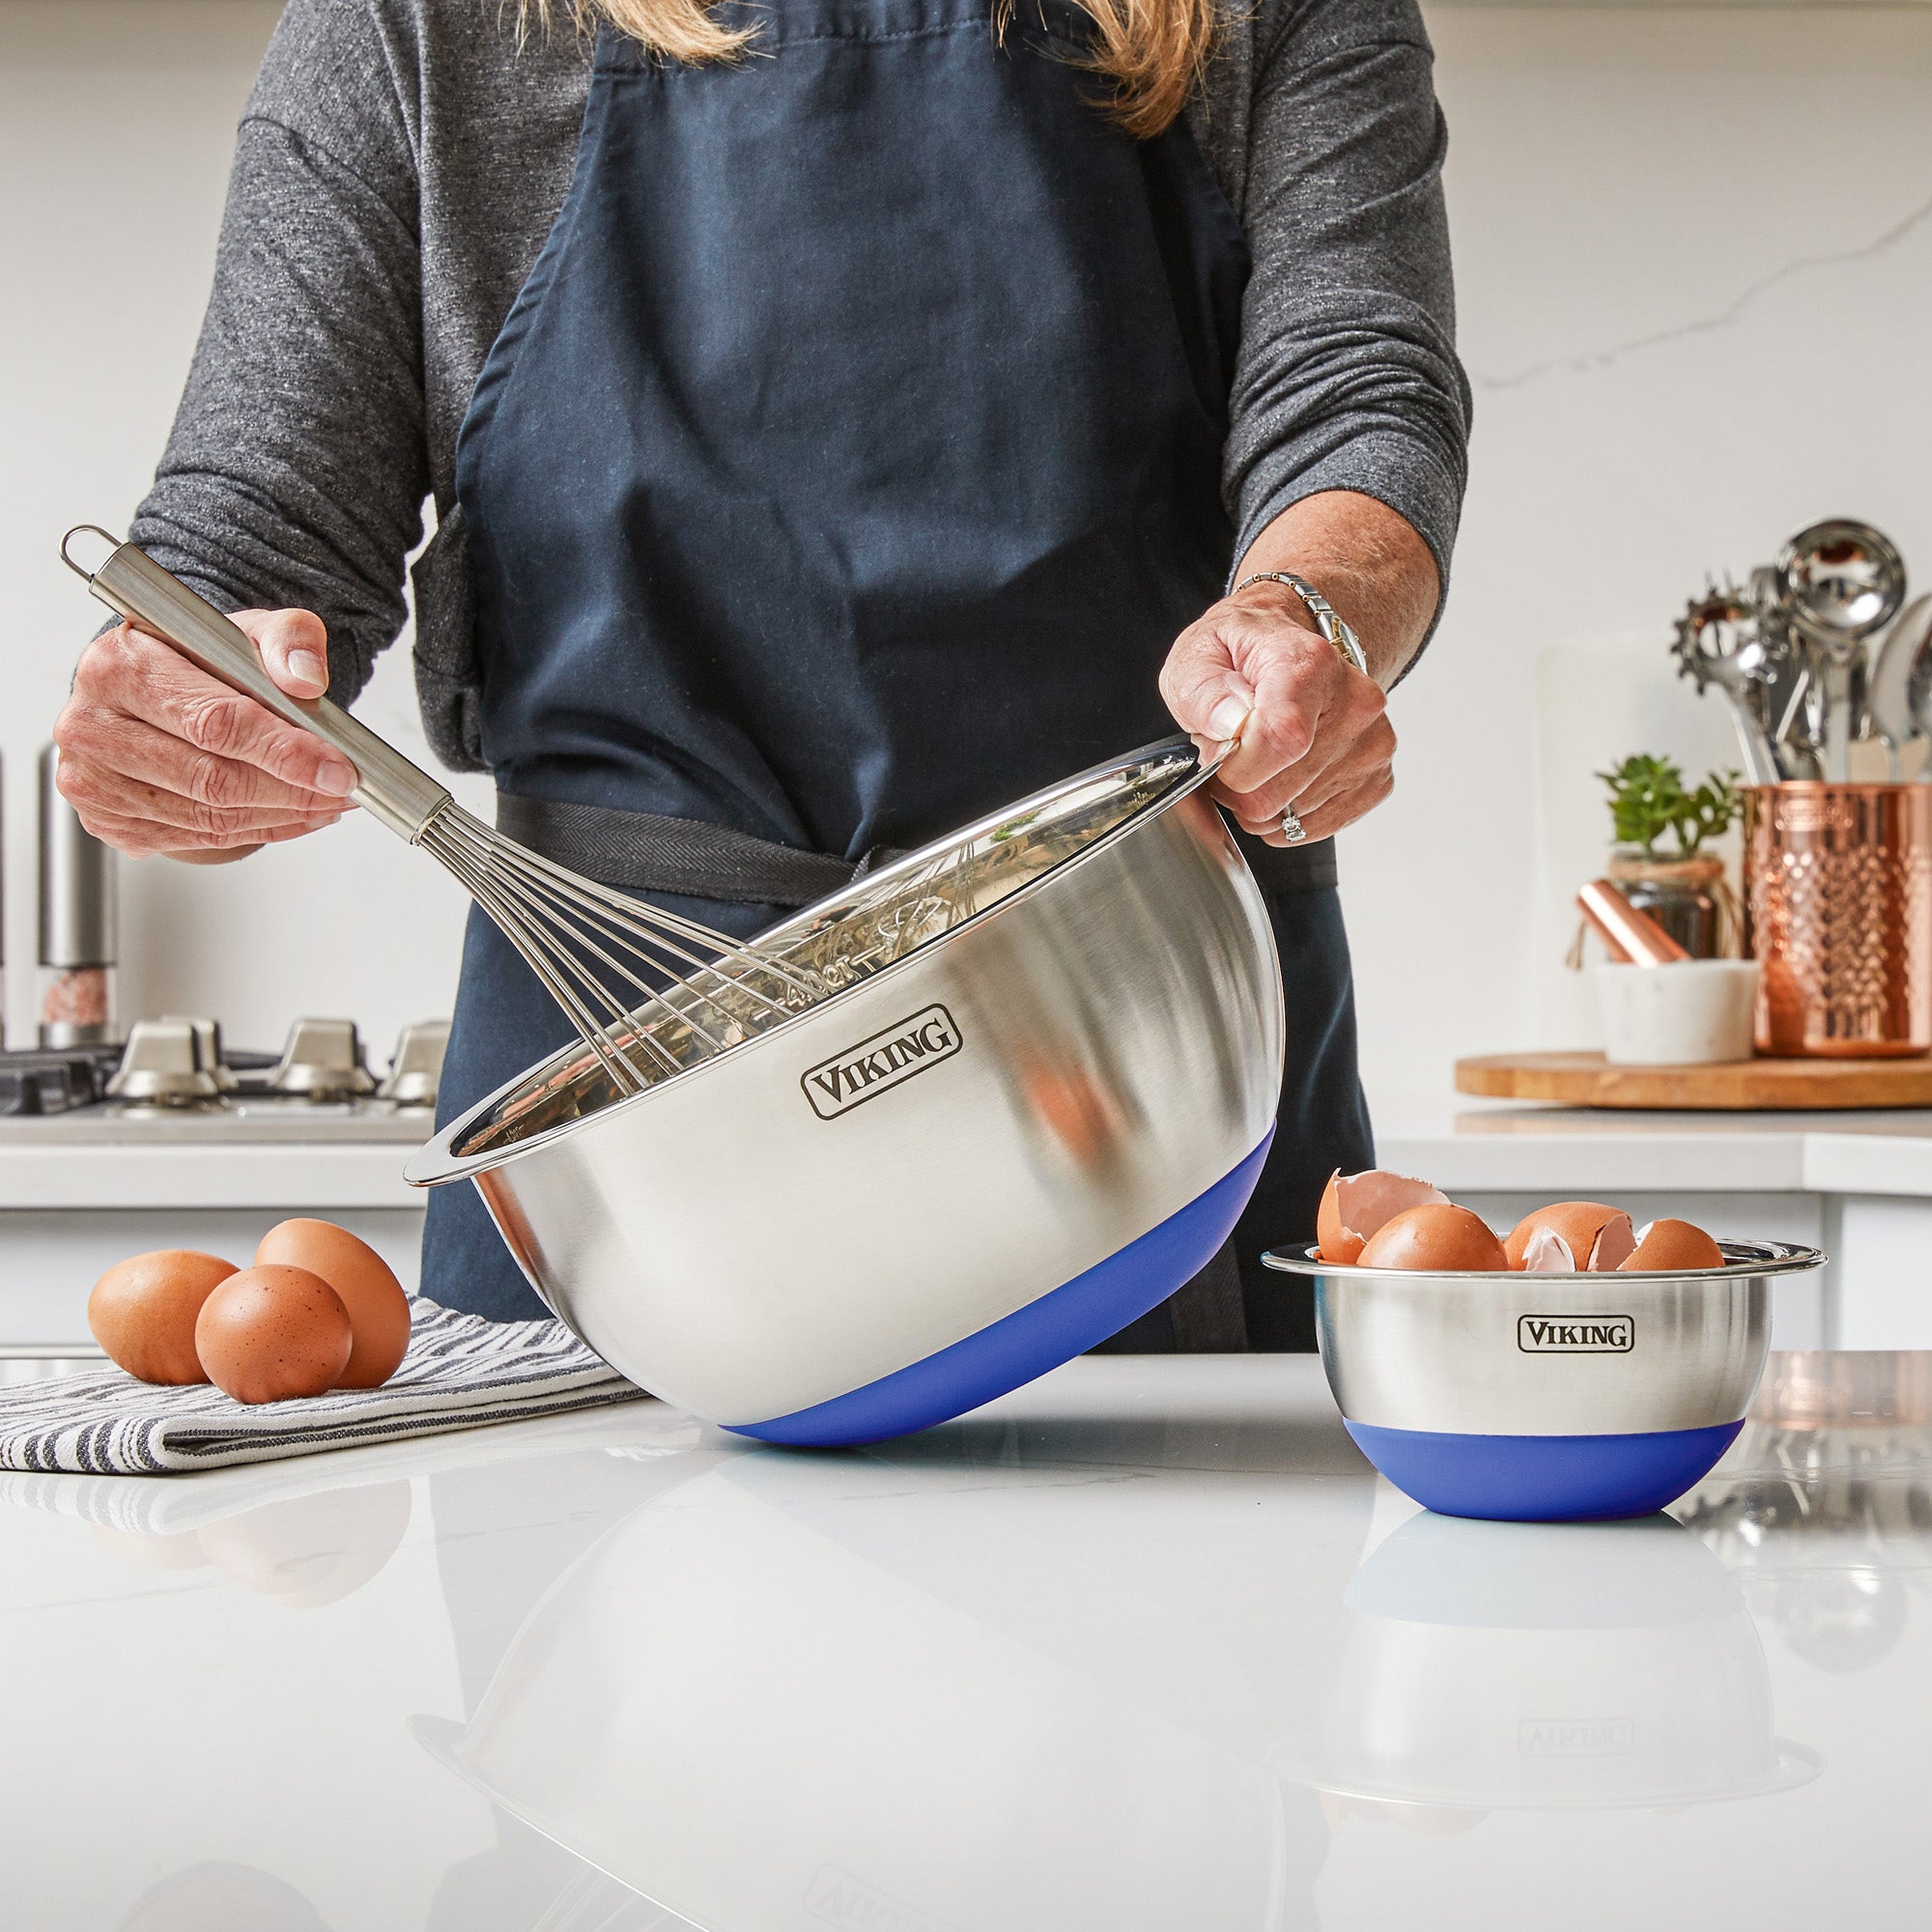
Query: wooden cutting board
1588,1080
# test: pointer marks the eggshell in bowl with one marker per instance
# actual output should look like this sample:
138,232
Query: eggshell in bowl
269,1333
379,1311
1437,1236
143,1311
1355,1207
1599,1236
1673,1247
1548,1253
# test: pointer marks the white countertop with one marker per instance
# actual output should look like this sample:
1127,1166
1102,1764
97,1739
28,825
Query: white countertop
1468,1146
260,1154
1142,1646
88,1160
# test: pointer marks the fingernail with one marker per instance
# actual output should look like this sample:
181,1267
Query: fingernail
336,776
1227,717
308,666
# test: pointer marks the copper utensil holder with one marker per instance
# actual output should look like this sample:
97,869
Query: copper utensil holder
1839,890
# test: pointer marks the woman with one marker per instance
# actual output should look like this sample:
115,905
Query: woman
842,416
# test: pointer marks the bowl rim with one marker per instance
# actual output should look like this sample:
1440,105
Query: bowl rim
436,1163
1745,1260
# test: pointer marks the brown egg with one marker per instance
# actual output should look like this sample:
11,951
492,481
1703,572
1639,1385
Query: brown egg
143,1312
1437,1236
1674,1247
1598,1237
378,1308
1356,1206
269,1333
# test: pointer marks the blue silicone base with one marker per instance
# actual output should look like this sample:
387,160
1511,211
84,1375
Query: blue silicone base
1063,1322
1543,1478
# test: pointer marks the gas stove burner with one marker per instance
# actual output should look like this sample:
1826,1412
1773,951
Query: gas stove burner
49,1081
174,1077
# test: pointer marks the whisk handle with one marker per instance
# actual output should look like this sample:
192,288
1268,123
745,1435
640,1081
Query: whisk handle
403,797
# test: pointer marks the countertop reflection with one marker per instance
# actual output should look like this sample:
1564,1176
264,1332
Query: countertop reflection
1144,1646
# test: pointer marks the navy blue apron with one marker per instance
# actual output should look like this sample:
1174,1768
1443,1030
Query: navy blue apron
845,469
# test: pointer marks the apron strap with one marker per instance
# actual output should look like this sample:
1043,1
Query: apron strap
642,852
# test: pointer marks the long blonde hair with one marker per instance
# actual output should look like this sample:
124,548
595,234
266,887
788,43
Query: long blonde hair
1150,53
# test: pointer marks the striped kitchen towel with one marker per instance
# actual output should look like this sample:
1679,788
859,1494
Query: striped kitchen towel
461,1372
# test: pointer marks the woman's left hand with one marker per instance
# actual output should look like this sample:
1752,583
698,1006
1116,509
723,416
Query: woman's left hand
1313,730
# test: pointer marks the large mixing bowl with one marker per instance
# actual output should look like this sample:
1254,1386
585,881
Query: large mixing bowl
1544,1398
1033,1112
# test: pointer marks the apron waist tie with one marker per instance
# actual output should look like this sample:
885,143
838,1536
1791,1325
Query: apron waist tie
644,852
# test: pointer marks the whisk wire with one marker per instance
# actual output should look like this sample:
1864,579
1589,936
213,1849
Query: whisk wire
582,925
566,928
552,971
636,917
539,903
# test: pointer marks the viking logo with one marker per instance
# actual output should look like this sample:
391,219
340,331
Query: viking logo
1575,1737
876,1065
1575,1334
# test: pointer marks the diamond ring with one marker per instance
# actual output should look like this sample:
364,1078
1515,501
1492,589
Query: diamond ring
1290,826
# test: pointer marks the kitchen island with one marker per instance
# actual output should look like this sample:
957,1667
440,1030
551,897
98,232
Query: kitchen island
1145,1644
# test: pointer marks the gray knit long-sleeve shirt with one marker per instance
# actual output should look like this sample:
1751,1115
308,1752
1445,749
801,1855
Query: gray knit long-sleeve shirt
401,161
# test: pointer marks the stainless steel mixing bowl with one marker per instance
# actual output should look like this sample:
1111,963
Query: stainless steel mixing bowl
1031,1099
1545,1397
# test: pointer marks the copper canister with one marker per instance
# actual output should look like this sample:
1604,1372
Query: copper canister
1839,880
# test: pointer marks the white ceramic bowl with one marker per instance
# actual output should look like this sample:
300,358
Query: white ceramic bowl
1694,1013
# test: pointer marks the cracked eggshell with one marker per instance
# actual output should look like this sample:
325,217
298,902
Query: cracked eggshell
1601,1237
1438,1237
1548,1253
1357,1207
1673,1247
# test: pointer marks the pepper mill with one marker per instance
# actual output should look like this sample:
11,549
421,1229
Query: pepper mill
79,923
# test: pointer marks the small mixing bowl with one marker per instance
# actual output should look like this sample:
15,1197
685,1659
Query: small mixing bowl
1545,1398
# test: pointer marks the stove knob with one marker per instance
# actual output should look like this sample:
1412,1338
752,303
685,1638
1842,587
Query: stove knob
209,1034
321,1060
417,1066
166,1064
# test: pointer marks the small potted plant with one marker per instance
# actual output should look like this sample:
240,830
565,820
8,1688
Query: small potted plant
1683,890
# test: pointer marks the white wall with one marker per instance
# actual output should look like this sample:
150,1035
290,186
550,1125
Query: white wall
117,118
1695,255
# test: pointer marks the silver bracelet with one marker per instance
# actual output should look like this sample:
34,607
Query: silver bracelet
1327,619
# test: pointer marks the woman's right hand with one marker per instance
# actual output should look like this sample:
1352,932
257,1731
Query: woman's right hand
158,756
